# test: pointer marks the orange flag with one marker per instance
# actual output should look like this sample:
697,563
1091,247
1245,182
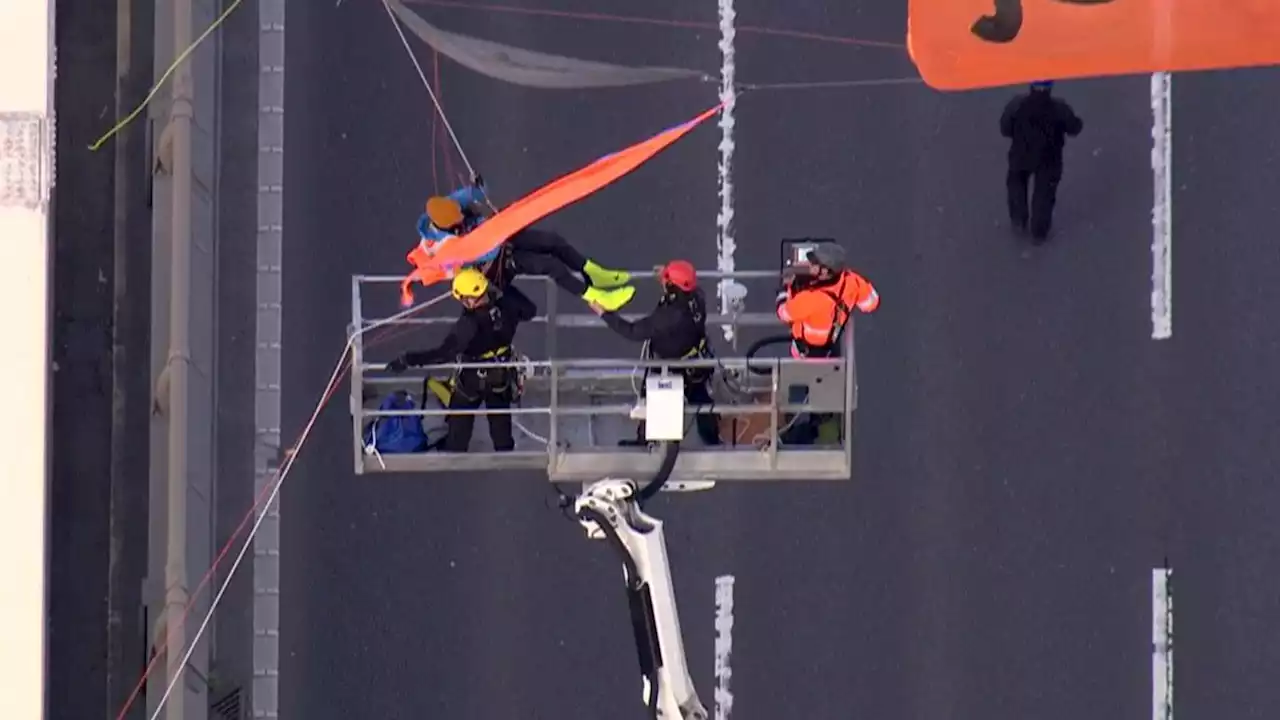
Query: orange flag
432,266
965,44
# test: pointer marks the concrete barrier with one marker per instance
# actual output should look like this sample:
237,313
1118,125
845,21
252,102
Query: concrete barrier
183,118
26,179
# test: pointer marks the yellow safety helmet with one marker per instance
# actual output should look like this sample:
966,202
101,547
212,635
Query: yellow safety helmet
469,283
444,212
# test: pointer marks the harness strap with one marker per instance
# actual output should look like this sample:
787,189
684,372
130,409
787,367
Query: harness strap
697,350
496,353
837,300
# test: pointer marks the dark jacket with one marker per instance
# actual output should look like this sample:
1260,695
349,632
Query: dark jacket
479,331
1038,123
674,329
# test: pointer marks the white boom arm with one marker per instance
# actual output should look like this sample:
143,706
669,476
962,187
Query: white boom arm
609,510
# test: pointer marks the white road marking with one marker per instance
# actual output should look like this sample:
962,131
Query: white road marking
1161,644
730,292
724,646
1162,206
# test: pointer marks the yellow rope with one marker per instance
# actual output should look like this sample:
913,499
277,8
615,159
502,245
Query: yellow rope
156,88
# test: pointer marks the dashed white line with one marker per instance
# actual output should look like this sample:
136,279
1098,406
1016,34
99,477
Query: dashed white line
730,292
724,646
1162,206
1161,644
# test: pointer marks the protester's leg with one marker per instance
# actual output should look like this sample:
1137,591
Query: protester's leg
554,244
1043,201
1016,185
533,262
549,243
528,262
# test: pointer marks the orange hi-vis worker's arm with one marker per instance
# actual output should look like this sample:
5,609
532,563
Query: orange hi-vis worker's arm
864,294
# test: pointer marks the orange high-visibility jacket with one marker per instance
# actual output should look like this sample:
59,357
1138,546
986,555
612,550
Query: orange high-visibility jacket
818,314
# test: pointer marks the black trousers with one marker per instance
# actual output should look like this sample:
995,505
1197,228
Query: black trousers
495,390
1043,199
541,252
707,424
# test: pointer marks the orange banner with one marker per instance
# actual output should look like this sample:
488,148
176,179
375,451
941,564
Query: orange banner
966,44
540,203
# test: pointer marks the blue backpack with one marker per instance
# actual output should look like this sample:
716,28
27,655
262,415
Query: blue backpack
399,434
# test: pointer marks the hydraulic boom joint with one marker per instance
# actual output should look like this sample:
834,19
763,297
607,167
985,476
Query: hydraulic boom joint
610,510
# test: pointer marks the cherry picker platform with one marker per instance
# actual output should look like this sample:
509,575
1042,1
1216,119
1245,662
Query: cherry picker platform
581,404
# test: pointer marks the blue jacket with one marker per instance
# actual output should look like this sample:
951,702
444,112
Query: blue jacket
466,197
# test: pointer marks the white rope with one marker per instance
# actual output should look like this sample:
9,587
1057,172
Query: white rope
423,76
275,491
529,433
636,371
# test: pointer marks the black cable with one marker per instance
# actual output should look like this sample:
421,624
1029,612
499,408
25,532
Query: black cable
628,562
664,473
651,648
759,345
653,695
563,502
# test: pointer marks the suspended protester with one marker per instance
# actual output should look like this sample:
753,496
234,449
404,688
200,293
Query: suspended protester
457,213
528,252
483,333
1037,125
677,330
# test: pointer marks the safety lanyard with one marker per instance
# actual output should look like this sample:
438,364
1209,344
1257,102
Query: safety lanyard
837,323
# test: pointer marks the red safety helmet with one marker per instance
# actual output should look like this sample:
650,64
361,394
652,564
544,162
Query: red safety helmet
681,274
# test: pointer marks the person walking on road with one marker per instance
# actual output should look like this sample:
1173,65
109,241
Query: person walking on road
1037,124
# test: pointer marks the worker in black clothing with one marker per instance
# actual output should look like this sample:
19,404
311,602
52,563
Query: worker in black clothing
1037,125
483,333
677,330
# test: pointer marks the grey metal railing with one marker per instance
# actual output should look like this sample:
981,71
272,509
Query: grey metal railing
556,379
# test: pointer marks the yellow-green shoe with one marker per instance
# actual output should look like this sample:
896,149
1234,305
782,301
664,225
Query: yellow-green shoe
602,277
610,300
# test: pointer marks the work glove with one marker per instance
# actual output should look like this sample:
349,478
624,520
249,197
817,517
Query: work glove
478,180
398,365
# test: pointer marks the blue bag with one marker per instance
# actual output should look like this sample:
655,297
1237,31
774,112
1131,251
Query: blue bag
401,434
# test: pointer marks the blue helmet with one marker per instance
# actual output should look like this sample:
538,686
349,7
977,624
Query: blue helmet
1042,85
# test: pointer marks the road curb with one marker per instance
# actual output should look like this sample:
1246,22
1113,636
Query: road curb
267,371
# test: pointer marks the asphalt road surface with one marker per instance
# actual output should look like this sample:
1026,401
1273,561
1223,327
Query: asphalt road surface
1026,452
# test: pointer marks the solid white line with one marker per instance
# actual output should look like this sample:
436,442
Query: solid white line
1161,644
724,646
1162,206
730,292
